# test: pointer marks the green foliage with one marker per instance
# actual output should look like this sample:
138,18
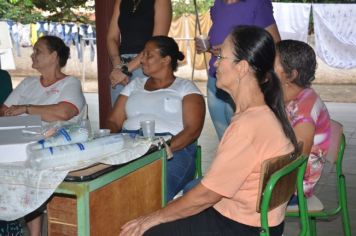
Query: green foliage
29,11
63,10
181,7
19,10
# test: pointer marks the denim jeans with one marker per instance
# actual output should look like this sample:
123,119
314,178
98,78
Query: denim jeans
180,168
221,107
191,184
115,92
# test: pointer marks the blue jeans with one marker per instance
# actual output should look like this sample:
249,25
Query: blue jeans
191,185
115,92
293,200
221,107
180,168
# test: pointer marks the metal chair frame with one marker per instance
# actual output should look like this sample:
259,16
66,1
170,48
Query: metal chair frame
300,165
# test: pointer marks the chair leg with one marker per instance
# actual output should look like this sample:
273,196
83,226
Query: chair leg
312,226
198,170
344,209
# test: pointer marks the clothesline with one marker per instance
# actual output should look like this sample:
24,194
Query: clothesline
334,27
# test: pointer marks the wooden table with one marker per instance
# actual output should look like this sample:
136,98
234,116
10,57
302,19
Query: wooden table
103,197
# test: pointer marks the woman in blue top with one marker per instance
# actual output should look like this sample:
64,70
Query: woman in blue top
225,14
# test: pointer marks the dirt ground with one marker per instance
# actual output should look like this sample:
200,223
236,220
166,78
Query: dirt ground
336,85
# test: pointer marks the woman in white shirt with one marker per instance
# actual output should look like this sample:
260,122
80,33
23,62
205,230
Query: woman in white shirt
175,104
53,95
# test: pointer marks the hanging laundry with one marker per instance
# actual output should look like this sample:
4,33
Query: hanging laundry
33,34
335,34
6,56
14,33
292,20
24,34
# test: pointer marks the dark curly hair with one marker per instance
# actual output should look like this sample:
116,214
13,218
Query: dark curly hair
55,43
168,47
299,56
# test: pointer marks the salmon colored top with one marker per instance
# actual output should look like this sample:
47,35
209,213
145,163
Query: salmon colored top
252,137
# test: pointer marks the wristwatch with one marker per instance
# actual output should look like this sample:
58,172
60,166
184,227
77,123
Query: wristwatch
124,69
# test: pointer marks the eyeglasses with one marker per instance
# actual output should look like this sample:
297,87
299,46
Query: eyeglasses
219,58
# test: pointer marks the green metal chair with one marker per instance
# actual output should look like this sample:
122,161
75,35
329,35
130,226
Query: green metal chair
198,169
280,183
315,207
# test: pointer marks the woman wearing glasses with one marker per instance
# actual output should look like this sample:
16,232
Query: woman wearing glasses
225,14
224,203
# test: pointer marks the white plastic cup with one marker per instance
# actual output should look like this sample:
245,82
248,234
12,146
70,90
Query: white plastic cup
203,42
148,128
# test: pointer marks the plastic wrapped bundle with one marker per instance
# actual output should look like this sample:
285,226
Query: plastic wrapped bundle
67,134
77,154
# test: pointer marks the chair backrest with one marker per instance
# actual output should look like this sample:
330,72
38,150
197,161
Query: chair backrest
288,174
336,137
285,187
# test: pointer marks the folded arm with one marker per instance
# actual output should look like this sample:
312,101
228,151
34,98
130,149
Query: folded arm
56,112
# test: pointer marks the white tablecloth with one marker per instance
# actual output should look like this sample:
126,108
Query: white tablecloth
23,189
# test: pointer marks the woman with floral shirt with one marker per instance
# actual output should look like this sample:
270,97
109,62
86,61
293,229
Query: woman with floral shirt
295,65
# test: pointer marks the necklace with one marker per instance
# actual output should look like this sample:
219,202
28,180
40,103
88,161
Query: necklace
135,5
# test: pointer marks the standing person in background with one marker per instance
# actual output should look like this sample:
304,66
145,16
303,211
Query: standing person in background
133,22
225,14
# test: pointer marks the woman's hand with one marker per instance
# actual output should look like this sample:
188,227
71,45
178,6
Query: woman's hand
140,225
117,77
199,46
215,50
15,110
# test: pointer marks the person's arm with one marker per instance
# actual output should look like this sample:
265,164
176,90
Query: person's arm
162,23
113,44
264,18
62,111
117,116
193,202
193,110
305,132
113,36
2,110
273,30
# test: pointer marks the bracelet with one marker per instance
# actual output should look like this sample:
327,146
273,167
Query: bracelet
27,106
119,66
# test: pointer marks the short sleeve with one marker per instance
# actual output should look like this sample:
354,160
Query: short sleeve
304,109
15,95
264,13
72,93
187,87
235,160
128,89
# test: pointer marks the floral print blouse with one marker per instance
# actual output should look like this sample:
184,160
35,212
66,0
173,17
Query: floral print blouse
307,107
